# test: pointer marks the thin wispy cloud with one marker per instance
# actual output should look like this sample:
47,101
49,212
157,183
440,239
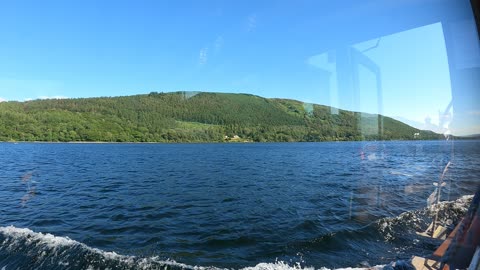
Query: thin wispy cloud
2,99
203,56
215,46
53,97
251,22
218,44
46,97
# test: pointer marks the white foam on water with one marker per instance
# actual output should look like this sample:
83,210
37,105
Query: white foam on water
415,219
376,267
280,265
54,242
50,240
26,236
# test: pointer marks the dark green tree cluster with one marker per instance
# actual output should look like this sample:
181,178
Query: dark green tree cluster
192,117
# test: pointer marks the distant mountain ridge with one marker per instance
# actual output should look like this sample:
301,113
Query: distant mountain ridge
419,125
193,117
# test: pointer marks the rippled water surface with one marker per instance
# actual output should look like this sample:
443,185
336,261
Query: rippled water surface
226,205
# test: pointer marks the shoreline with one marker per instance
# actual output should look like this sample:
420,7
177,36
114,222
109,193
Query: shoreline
224,142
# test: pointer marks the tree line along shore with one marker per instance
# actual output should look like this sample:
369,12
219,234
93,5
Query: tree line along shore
193,117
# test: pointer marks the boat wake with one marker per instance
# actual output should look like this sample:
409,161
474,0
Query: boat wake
418,220
22,248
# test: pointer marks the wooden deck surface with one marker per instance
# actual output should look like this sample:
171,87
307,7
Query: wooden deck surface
434,262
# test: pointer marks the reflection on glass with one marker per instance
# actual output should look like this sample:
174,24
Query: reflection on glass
222,135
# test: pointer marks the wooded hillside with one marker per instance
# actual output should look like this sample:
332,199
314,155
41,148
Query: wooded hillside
192,117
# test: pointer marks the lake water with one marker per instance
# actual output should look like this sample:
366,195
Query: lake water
129,206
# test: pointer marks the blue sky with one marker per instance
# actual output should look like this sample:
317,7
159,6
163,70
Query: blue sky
273,48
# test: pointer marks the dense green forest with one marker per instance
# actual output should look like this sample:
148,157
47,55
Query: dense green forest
193,117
